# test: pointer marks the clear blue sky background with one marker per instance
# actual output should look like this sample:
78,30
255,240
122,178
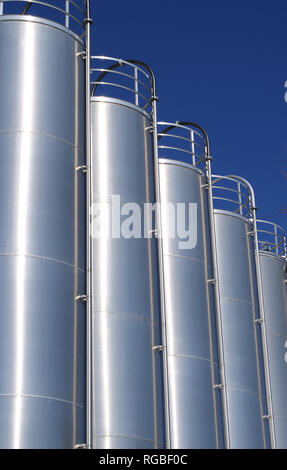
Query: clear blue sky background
222,64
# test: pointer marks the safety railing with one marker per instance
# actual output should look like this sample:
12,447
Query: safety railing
271,238
233,194
128,80
184,142
69,13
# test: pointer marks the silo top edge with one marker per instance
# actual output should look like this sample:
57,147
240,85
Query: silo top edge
273,255
107,99
171,161
36,19
232,214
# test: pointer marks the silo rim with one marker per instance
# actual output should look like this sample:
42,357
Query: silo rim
40,20
230,213
171,161
272,255
107,99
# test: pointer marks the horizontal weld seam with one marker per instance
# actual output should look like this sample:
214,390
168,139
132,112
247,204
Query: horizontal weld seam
243,390
23,395
141,317
234,299
192,357
127,436
55,260
171,255
43,134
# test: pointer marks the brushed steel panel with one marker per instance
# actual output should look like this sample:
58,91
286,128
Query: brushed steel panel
192,410
123,442
244,420
47,57
281,432
188,330
127,373
275,309
42,210
122,153
50,198
180,184
238,299
240,356
49,338
233,246
122,357
27,422
190,318
125,270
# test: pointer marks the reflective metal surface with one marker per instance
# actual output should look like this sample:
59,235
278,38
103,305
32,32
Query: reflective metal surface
127,378
42,330
239,309
274,283
192,374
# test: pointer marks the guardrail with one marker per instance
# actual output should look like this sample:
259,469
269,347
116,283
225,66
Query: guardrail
69,13
185,142
233,194
271,238
128,80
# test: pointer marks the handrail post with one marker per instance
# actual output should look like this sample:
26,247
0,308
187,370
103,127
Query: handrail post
192,147
136,86
276,239
264,334
239,198
67,10
89,333
1,7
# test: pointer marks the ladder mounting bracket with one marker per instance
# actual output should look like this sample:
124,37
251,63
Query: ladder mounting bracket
82,168
82,298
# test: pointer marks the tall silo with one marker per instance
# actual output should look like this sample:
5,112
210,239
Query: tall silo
273,266
42,203
193,373
126,358
234,213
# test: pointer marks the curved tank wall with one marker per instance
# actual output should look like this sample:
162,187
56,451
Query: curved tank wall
42,227
274,288
127,392
194,407
239,310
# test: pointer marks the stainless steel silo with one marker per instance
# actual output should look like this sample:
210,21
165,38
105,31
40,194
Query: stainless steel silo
42,204
126,358
247,407
273,257
194,403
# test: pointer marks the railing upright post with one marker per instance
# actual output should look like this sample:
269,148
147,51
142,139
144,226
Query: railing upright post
276,239
136,86
239,198
67,10
192,147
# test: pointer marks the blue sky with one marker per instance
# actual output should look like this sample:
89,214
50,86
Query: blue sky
222,64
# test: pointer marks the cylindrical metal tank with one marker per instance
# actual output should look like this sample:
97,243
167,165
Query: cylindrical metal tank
239,311
273,258
194,403
42,234
126,371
